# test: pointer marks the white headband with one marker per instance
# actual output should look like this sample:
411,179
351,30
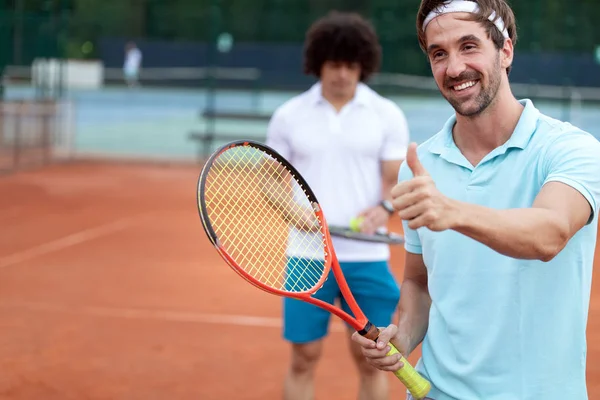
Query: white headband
464,6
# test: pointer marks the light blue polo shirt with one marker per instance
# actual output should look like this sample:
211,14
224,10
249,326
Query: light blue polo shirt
502,328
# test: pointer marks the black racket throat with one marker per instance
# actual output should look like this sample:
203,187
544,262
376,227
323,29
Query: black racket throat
370,331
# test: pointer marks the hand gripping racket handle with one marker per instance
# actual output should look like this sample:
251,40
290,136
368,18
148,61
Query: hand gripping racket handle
414,382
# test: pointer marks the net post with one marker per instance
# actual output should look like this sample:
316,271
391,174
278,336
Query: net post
17,134
2,67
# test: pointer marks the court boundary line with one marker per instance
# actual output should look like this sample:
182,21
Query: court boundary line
66,242
158,315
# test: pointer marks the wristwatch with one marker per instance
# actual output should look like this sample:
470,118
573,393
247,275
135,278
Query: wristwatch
387,206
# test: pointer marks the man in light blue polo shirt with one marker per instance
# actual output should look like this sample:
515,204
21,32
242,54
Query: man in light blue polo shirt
500,211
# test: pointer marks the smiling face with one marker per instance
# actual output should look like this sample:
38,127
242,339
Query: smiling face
468,69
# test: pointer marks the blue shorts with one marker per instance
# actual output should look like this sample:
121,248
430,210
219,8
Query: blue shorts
373,285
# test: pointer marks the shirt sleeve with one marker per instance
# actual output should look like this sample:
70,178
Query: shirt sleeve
574,159
412,242
278,135
395,143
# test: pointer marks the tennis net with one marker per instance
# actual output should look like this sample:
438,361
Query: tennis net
255,79
52,76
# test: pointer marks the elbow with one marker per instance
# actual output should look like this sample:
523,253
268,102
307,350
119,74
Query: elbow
550,249
548,255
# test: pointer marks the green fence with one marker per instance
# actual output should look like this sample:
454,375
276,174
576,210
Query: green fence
72,27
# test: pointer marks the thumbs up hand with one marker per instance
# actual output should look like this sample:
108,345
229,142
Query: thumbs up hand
418,200
413,162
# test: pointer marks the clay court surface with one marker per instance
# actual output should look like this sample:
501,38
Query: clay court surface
109,289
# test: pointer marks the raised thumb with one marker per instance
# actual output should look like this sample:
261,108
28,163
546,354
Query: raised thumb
412,159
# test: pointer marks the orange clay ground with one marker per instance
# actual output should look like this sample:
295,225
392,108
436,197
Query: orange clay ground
109,289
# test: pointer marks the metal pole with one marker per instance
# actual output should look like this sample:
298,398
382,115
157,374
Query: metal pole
63,38
18,38
211,91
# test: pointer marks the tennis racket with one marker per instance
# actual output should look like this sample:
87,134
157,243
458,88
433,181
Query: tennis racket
256,209
391,238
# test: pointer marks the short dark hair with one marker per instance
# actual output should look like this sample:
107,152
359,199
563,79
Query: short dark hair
486,7
342,37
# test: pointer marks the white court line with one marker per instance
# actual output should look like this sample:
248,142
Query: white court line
66,242
160,315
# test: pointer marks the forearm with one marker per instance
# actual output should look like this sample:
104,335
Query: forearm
279,195
300,217
413,312
386,189
525,233
389,178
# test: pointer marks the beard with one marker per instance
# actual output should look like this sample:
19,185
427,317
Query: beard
484,98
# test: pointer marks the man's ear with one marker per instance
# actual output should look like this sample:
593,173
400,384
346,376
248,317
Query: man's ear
507,53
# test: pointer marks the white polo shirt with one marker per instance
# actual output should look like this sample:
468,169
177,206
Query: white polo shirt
340,155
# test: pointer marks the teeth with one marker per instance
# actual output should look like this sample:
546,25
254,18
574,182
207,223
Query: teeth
465,85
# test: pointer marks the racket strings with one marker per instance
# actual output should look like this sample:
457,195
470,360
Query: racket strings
257,208
295,278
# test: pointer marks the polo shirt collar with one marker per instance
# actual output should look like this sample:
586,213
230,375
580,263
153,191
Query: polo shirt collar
361,96
444,145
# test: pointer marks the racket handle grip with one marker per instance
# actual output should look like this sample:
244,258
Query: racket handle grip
414,382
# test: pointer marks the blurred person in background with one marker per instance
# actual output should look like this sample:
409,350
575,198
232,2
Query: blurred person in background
348,143
500,215
132,64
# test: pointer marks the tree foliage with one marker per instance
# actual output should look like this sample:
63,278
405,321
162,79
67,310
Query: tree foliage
543,25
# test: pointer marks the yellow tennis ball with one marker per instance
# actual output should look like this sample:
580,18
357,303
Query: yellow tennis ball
355,223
